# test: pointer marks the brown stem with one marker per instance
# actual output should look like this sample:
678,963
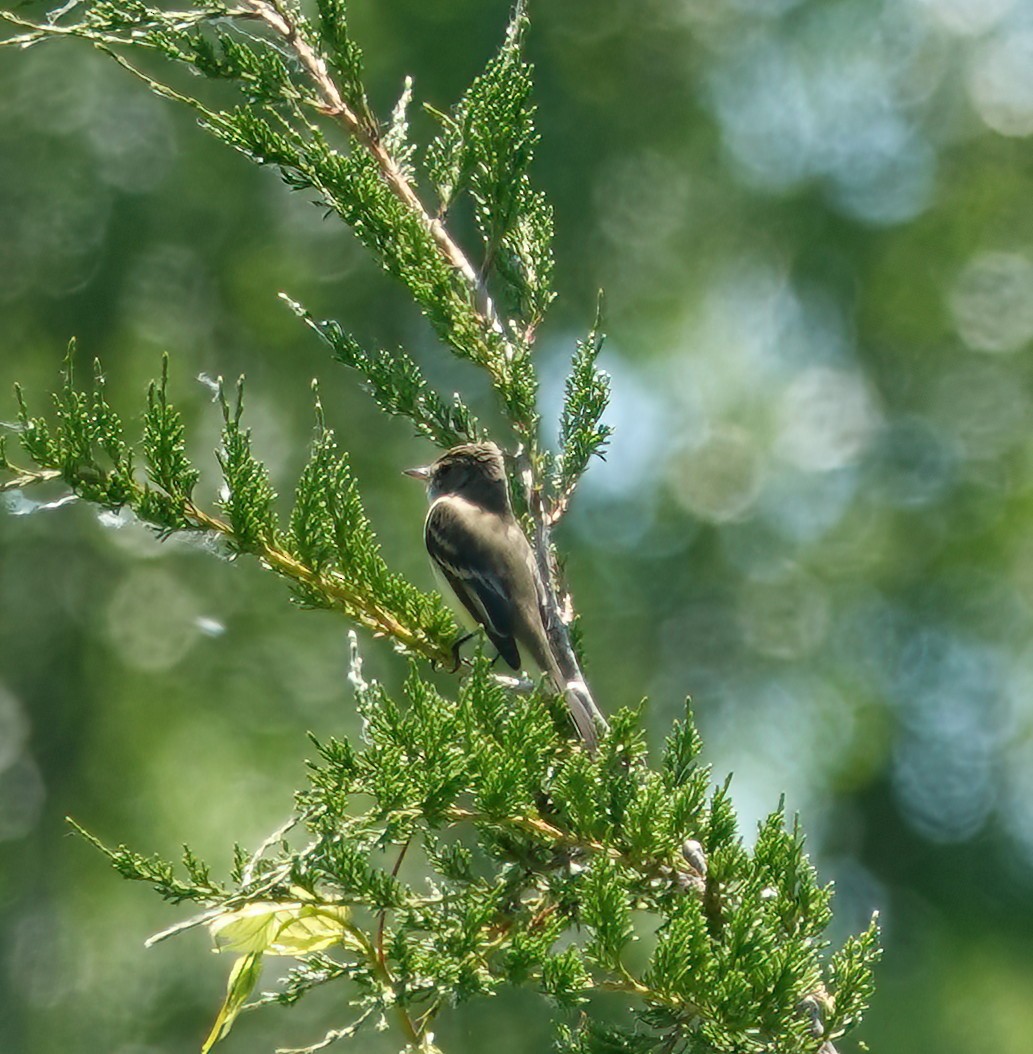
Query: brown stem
625,982
416,1037
383,914
536,825
334,105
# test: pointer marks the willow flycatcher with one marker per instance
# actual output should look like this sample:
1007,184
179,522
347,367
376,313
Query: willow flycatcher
477,546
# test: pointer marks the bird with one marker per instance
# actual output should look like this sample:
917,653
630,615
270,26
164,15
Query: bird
477,546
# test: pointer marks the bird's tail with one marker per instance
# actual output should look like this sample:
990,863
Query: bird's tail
587,717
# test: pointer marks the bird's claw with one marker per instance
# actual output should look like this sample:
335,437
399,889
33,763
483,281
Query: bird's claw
457,659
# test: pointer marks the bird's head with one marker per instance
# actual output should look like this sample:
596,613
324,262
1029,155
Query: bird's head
474,471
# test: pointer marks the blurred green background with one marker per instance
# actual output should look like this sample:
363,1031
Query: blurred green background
813,225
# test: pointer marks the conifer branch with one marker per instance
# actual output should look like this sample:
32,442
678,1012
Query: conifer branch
547,861
27,478
752,984
359,607
365,130
502,347
335,590
87,429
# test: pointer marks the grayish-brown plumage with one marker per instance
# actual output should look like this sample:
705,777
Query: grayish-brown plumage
477,546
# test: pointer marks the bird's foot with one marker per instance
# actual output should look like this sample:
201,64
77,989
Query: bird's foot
457,659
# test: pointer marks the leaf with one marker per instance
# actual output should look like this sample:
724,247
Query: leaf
398,385
164,442
485,149
342,52
605,909
396,138
273,927
242,980
586,396
681,751
249,497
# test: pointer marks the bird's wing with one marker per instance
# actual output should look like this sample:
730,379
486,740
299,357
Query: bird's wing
465,543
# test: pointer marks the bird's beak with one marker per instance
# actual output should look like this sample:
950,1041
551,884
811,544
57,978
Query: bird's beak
421,473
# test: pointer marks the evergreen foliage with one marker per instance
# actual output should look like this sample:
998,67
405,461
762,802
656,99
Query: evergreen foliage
485,149
397,385
540,854
549,864
582,431
329,554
